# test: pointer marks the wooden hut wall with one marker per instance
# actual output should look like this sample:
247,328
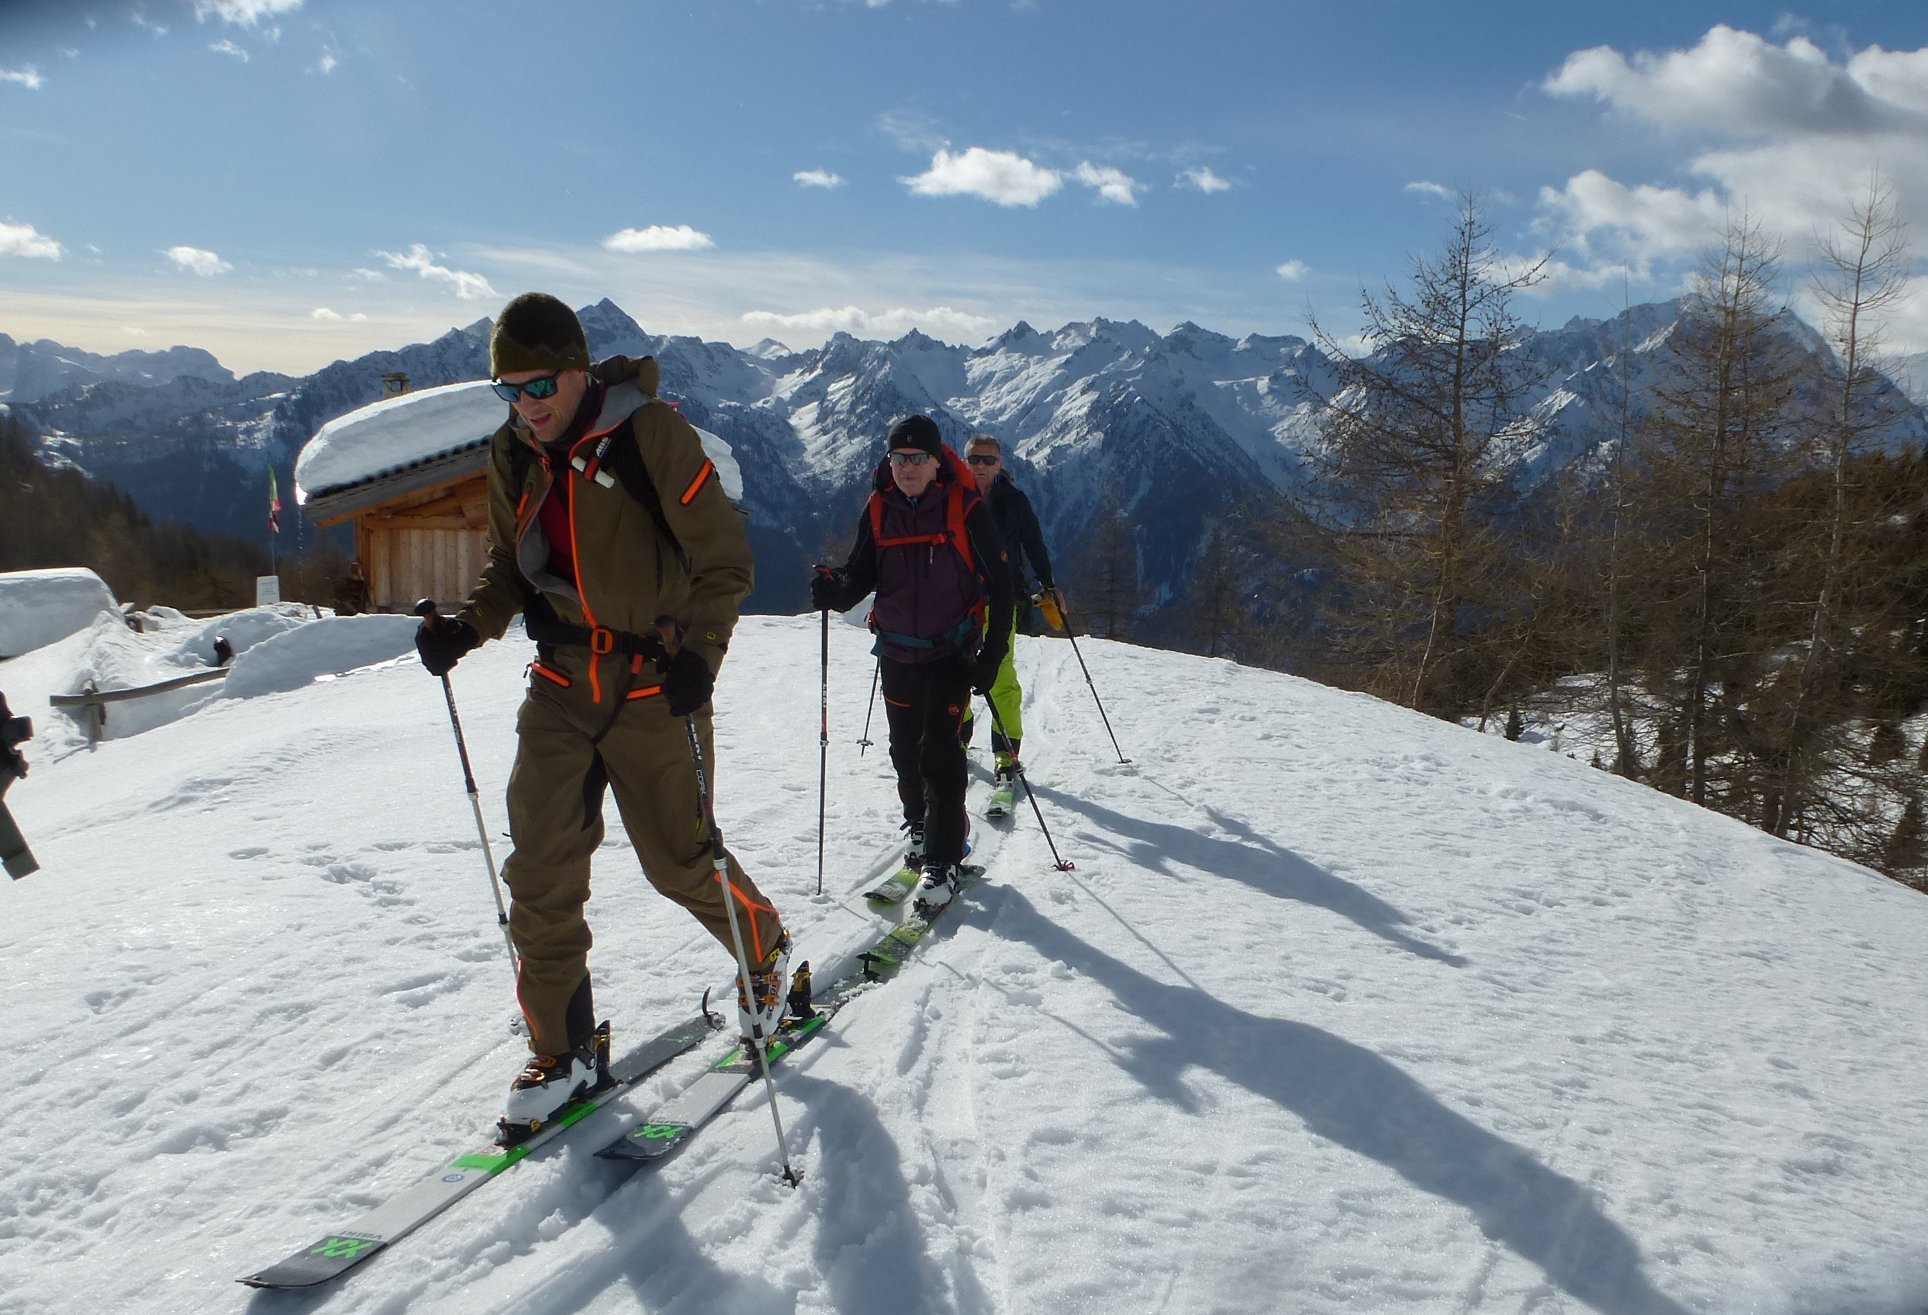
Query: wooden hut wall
434,549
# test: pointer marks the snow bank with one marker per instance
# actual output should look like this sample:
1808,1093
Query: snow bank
275,648
321,648
39,607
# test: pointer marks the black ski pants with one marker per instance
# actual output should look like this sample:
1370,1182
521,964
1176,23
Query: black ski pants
925,703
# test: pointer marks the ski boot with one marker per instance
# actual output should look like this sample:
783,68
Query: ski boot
768,985
1004,789
914,851
548,1083
938,888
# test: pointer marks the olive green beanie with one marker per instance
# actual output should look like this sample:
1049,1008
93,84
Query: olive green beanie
537,332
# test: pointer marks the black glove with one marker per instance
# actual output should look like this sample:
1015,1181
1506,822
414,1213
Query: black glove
442,642
826,591
984,673
687,682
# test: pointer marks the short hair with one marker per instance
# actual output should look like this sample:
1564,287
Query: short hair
983,440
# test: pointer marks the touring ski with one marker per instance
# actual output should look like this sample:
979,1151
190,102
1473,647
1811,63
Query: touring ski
343,1248
664,1130
893,888
668,1127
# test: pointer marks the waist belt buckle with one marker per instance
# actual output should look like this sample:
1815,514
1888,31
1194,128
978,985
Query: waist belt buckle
602,641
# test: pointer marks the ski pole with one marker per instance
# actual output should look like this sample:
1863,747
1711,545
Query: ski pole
1060,863
426,610
1072,635
870,707
823,745
720,860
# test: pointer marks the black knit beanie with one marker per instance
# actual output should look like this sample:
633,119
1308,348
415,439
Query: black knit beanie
917,432
537,332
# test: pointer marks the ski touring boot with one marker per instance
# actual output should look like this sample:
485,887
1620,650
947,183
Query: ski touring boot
914,851
548,1083
762,1013
1004,789
938,888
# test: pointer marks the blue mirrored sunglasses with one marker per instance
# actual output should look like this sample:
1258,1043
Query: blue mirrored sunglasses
543,385
909,458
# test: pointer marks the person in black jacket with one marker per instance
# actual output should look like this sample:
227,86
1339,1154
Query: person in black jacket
1017,528
927,547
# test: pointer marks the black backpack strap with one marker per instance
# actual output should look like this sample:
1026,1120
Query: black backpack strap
625,460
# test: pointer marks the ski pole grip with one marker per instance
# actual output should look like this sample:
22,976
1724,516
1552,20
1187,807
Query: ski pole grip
666,631
426,610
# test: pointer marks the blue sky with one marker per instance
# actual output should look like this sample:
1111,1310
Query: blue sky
288,182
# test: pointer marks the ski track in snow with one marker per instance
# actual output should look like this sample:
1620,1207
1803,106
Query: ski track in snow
1341,1009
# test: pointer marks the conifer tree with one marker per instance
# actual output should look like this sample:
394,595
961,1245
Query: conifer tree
1421,439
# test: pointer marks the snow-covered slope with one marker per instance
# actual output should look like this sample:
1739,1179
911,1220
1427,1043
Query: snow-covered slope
1342,1009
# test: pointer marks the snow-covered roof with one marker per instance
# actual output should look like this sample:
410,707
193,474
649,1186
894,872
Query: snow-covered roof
397,433
432,435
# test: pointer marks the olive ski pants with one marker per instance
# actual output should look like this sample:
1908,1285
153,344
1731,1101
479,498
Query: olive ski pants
569,750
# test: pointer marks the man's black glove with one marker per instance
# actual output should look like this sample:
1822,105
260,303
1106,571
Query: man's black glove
687,683
442,641
826,590
984,673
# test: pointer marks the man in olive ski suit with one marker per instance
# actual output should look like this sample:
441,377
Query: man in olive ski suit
593,568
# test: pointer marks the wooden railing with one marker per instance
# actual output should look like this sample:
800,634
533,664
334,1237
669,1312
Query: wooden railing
95,700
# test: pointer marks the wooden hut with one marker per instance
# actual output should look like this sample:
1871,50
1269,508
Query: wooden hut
411,473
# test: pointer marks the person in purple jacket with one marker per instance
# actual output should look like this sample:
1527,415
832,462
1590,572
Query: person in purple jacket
928,548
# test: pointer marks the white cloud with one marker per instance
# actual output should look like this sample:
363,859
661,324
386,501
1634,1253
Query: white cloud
28,77
1739,84
818,178
1003,177
1430,189
22,240
944,322
196,261
1292,271
1112,185
658,237
1657,220
336,317
246,13
327,63
1204,180
229,48
1784,132
467,286
911,132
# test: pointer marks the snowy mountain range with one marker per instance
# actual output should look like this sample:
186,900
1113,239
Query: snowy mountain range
1178,429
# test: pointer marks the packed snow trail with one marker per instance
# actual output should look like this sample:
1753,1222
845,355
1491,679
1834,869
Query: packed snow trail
1342,1009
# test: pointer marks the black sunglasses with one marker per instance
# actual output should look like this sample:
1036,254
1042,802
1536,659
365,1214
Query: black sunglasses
984,459
909,458
540,387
